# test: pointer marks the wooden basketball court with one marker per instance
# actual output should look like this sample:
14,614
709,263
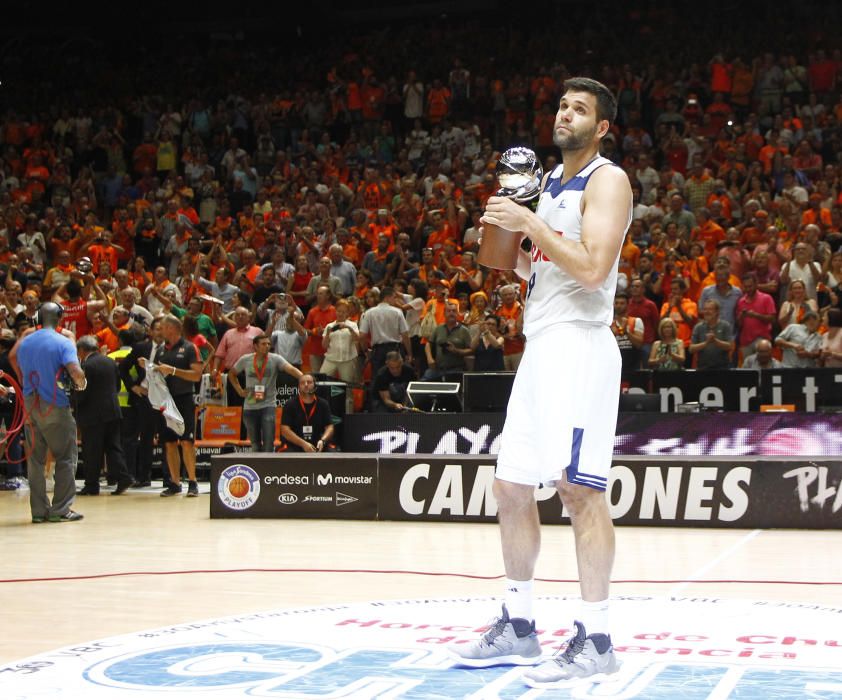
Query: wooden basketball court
139,561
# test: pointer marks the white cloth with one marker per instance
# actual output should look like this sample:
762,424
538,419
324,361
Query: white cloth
161,399
562,414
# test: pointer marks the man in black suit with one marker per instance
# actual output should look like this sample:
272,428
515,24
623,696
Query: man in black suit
98,416
147,419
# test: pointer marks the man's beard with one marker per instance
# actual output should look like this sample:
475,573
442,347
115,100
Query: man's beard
573,141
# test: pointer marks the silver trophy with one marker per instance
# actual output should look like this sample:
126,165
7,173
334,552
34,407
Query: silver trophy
519,173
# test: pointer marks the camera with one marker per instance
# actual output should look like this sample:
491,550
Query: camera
84,265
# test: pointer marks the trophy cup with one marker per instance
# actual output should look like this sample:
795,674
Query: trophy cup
519,173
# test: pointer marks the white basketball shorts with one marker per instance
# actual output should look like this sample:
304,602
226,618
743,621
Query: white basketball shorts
562,413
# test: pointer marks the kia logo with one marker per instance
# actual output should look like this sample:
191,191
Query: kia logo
288,498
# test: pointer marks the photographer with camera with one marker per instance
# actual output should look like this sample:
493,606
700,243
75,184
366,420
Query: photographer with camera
286,330
341,341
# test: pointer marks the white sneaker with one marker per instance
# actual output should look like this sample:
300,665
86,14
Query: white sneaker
500,645
580,660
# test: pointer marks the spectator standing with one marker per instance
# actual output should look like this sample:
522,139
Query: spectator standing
317,319
641,307
324,279
713,339
341,341
723,292
487,346
801,342
384,329
628,331
342,269
755,314
796,305
802,267
449,345
510,310
261,369
683,311
668,351
236,342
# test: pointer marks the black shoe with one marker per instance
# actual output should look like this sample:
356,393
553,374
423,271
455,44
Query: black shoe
86,492
122,487
39,519
70,516
192,489
141,485
172,490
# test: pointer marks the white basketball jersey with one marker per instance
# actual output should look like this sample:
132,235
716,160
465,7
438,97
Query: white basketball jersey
553,296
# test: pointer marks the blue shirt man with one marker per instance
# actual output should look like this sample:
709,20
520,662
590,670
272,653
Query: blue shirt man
42,357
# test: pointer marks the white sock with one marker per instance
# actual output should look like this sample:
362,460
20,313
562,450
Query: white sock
594,616
519,598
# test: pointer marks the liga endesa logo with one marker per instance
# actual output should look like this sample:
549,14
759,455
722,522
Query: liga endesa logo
680,647
239,487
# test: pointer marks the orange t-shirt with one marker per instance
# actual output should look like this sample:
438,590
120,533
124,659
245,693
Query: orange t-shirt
316,321
685,330
709,233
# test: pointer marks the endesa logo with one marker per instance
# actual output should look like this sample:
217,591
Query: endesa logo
287,499
239,487
287,480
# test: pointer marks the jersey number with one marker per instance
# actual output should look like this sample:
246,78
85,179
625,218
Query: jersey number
531,285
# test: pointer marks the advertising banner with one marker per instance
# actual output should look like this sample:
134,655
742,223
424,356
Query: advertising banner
294,486
746,493
708,434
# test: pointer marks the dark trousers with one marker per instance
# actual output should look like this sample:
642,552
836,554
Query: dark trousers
129,439
103,440
147,422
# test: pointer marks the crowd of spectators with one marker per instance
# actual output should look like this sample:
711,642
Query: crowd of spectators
302,208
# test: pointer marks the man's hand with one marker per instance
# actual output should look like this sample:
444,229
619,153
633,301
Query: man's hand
308,447
505,213
139,390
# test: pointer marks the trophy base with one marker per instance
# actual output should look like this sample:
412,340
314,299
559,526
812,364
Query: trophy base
500,248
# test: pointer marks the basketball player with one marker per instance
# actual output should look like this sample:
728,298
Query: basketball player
562,413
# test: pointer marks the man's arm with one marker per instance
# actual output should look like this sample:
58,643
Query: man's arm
77,375
289,435
590,260
194,374
235,382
